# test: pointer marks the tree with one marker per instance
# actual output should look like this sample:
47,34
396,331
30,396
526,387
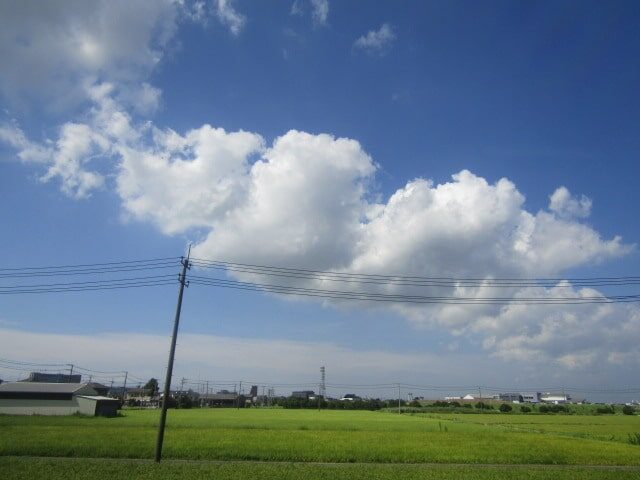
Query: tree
628,410
505,408
151,386
184,401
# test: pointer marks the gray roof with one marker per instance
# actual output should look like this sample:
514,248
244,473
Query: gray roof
42,387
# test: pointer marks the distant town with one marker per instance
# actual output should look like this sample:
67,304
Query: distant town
65,394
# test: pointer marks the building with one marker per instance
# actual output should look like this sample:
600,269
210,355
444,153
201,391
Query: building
37,398
100,389
350,397
142,397
53,378
304,394
555,398
223,398
511,397
531,397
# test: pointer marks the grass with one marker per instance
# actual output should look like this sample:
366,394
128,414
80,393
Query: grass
615,428
329,436
14,468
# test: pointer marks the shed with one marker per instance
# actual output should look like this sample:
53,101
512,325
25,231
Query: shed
97,406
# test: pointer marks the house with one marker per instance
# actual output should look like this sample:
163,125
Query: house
38,398
100,389
141,397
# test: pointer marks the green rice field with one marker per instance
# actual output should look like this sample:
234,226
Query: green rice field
280,443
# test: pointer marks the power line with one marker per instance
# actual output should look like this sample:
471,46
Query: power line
408,280
99,271
81,265
402,298
116,283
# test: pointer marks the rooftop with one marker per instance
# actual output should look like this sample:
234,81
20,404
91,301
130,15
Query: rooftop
41,387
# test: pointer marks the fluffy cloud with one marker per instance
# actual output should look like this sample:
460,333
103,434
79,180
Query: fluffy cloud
186,181
65,159
376,41
49,48
304,199
563,204
573,336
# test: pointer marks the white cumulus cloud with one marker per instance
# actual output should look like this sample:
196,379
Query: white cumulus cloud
563,204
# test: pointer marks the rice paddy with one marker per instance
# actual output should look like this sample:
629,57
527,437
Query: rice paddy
279,443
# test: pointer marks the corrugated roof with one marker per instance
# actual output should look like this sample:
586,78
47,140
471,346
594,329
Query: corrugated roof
41,387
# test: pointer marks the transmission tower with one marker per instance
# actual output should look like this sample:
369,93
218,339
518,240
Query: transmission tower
323,385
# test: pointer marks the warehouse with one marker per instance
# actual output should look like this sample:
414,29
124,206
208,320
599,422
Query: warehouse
31,398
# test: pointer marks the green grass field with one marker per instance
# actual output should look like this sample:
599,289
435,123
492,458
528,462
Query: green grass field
348,444
598,427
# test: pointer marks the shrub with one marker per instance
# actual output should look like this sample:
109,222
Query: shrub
605,409
525,409
628,410
543,409
558,409
483,406
505,408
634,438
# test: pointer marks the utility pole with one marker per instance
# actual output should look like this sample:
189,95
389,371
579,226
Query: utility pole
480,398
398,398
322,390
70,371
172,351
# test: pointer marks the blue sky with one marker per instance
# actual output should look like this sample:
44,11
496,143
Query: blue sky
543,95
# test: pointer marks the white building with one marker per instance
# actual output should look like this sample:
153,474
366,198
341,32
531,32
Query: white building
555,398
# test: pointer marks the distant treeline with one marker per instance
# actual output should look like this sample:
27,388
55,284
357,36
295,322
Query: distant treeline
453,407
334,404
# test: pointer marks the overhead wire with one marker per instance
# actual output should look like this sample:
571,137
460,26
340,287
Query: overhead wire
403,298
355,277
